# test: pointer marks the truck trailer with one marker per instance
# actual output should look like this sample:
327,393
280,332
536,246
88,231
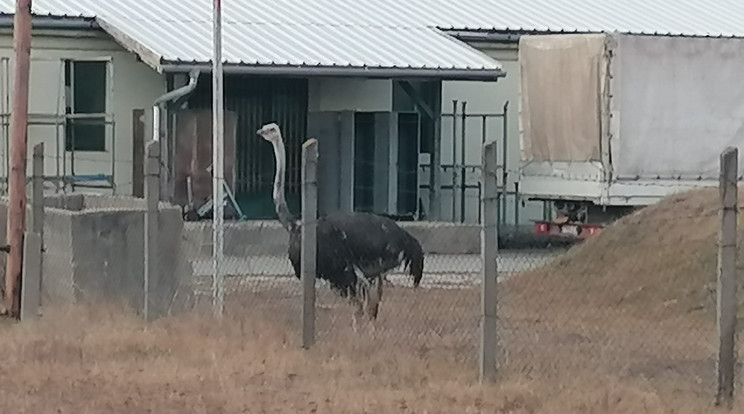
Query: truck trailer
611,122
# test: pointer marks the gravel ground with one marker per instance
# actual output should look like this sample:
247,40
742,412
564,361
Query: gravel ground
440,271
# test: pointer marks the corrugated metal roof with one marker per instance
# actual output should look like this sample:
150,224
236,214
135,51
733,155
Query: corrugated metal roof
669,17
380,33
181,31
656,17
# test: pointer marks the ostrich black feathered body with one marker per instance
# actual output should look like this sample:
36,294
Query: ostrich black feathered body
351,243
351,247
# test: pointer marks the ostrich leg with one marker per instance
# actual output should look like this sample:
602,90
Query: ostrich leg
374,297
358,313
373,301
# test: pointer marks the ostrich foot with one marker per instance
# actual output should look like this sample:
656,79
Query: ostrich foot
387,282
372,326
358,313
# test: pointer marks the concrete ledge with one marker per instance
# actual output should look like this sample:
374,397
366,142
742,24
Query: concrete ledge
267,237
94,249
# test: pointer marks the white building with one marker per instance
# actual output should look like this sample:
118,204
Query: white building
294,62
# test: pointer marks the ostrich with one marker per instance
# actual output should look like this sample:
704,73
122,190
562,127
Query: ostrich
354,250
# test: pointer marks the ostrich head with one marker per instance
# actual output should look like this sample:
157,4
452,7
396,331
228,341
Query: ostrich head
272,133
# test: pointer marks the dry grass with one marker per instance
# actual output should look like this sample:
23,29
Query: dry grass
87,360
662,259
621,324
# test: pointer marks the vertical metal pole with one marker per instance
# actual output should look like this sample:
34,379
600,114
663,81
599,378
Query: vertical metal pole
6,119
157,112
218,162
435,173
504,160
113,153
58,116
37,202
454,159
69,121
152,198
484,121
156,123
309,239
462,161
726,292
16,221
516,204
488,360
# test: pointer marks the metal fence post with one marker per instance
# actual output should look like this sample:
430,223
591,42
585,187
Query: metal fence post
488,360
309,242
31,274
37,202
435,173
152,197
726,289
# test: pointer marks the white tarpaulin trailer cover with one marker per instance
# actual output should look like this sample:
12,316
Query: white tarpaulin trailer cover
679,103
665,106
561,95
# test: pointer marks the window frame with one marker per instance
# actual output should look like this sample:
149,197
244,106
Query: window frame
70,116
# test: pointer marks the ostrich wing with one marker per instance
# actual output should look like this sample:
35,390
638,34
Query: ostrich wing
377,244
332,256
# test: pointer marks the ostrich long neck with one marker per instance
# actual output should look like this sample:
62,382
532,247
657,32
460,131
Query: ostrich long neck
285,217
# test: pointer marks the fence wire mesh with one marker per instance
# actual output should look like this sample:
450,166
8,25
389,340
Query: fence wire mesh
634,304
259,280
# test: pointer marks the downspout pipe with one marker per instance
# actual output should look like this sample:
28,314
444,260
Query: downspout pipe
176,95
166,100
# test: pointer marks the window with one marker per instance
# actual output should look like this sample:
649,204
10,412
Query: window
85,83
428,92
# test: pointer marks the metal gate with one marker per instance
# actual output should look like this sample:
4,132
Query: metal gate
257,101
463,135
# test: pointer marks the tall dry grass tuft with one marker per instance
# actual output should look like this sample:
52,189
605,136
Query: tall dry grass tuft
620,324
103,359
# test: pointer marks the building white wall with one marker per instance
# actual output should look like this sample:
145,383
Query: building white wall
338,94
344,94
134,86
486,97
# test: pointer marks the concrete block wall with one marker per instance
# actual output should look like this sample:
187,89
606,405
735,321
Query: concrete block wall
57,265
95,250
256,238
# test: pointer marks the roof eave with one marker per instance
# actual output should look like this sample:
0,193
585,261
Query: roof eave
485,74
90,23
144,53
53,22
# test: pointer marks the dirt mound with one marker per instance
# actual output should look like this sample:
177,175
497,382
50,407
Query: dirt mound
661,258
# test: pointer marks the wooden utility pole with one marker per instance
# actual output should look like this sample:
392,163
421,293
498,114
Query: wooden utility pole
18,138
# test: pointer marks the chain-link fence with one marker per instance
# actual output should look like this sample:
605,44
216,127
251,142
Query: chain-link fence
636,303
